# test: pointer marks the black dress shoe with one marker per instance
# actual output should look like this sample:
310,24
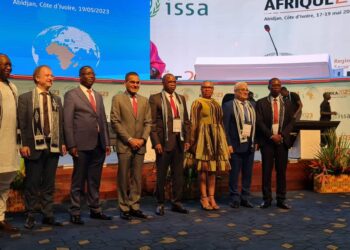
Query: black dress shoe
51,221
76,219
30,222
100,216
247,204
138,214
8,228
179,209
265,204
234,204
125,215
283,205
160,210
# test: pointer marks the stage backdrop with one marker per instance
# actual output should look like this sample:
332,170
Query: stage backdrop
110,36
185,30
310,93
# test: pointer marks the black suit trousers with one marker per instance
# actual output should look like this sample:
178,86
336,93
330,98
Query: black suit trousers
40,183
274,155
174,159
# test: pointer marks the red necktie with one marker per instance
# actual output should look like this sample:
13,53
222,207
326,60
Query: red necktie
173,106
275,111
92,100
134,105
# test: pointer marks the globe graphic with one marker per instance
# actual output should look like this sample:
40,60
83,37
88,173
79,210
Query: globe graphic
65,49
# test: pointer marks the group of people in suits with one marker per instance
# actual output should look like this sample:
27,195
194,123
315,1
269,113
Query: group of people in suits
44,130
44,135
215,138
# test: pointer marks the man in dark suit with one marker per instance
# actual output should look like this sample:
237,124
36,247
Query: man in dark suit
274,123
170,138
40,117
131,120
239,122
294,100
87,139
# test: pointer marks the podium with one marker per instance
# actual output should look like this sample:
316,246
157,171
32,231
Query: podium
308,140
258,68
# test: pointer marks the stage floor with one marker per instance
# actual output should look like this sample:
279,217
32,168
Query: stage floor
316,221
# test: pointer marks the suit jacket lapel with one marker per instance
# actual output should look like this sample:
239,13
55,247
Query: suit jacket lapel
84,98
129,105
269,110
98,102
139,103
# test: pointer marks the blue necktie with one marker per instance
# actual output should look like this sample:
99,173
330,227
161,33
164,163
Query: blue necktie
246,114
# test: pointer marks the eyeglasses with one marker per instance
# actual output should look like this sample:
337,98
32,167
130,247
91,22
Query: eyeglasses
243,89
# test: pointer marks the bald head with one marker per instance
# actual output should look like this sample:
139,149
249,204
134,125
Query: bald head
207,89
5,67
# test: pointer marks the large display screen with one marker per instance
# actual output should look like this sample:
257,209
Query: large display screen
110,36
186,30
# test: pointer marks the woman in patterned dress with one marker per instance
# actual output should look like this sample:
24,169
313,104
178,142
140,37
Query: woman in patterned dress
209,147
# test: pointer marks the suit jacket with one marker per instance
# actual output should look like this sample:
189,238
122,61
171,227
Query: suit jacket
126,125
82,125
232,131
264,122
25,122
158,130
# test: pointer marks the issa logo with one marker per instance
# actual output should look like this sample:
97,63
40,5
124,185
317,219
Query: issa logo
180,9
155,6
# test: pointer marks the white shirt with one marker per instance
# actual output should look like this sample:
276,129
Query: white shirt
85,91
240,105
175,100
41,107
130,98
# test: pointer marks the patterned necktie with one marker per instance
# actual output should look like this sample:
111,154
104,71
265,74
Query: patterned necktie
245,110
275,111
173,106
134,105
92,100
46,115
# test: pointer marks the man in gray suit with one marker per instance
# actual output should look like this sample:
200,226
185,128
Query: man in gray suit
40,117
87,139
131,120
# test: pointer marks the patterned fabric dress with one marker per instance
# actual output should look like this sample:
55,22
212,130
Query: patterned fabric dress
208,139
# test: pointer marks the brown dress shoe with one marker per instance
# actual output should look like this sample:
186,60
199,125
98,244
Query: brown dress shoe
8,228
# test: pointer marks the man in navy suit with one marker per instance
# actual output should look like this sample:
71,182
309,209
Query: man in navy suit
239,122
274,119
87,139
